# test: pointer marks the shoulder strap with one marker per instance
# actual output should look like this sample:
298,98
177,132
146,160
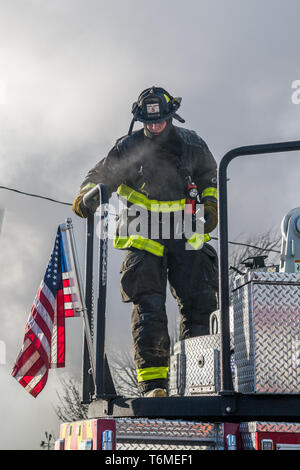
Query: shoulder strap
188,139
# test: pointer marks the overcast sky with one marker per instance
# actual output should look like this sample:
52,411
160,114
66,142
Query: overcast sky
69,72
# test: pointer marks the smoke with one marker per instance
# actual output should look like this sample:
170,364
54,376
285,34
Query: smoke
1,218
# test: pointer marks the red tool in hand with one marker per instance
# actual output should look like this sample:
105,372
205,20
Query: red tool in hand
191,200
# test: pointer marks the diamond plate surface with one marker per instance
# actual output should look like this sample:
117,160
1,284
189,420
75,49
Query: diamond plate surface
261,426
267,333
177,372
202,364
259,276
195,366
136,445
153,434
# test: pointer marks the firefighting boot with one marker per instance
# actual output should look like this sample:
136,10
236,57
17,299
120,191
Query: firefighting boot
157,392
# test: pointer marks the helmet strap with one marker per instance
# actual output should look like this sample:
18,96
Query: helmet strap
131,126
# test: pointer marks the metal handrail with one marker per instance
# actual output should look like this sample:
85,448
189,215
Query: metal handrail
226,379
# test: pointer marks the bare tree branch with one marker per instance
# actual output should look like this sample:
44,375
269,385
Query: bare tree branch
124,373
264,243
70,407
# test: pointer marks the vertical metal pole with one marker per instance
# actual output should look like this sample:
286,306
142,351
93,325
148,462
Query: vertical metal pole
102,282
226,380
87,382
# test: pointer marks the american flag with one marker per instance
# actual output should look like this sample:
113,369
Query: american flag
44,341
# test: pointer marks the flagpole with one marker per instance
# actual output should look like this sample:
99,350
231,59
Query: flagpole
83,309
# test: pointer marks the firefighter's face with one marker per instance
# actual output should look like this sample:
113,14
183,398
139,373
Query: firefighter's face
156,127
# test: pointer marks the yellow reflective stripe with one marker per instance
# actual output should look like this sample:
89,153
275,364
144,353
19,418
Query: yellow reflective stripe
197,240
88,186
141,243
167,98
210,192
150,204
150,373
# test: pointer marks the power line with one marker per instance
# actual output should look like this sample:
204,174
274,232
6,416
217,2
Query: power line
250,246
38,196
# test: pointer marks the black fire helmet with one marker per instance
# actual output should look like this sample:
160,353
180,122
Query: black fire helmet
155,105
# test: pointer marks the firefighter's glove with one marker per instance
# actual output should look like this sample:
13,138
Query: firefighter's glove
81,209
210,216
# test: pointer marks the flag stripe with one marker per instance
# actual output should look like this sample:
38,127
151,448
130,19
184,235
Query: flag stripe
39,307
70,313
23,375
38,345
45,332
36,379
68,282
68,305
40,385
49,295
47,302
68,291
25,361
31,373
40,329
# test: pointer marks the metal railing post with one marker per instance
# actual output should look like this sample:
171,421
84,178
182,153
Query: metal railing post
103,381
102,283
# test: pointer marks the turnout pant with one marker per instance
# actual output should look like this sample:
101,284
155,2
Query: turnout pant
193,280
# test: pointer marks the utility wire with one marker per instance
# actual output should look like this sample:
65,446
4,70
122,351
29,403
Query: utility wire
250,246
70,204
36,195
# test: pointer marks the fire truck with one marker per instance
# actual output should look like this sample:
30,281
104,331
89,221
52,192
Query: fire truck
234,389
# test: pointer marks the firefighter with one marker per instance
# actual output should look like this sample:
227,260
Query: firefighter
153,169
